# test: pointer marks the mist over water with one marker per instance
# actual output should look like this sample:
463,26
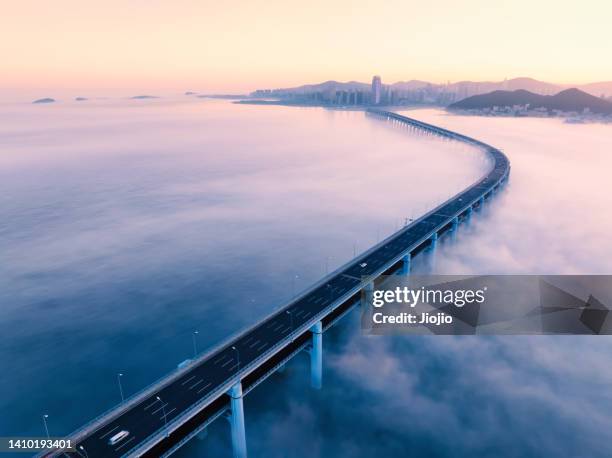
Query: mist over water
440,396
126,225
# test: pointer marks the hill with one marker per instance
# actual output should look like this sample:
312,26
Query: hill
45,100
568,100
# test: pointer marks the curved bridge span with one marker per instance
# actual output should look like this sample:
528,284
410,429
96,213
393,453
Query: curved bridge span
167,414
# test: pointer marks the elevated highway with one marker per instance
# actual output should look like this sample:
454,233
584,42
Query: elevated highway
170,412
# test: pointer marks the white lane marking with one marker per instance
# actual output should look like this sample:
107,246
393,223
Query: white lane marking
248,340
307,315
297,315
229,369
151,405
188,380
108,432
263,346
204,387
195,384
220,359
168,413
254,343
227,362
278,327
125,443
163,406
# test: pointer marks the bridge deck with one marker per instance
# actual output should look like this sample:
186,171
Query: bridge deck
198,391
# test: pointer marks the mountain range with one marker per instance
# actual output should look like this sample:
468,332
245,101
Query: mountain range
462,88
567,100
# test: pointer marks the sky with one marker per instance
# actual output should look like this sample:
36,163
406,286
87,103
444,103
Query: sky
238,46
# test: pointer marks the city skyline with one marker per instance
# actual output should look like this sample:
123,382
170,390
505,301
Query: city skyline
203,46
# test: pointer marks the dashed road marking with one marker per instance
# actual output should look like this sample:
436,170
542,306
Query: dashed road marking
108,432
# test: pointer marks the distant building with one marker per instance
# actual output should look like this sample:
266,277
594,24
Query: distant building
376,90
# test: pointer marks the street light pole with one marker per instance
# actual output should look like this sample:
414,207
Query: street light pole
119,375
195,345
164,412
84,451
237,356
45,416
293,279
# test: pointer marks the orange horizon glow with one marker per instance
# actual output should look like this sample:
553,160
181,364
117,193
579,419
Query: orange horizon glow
209,46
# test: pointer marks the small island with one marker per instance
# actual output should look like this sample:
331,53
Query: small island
140,97
44,100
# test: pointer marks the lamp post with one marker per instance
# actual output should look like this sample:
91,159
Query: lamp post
119,375
164,412
195,345
237,356
290,319
327,259
44,417
293,279
84,451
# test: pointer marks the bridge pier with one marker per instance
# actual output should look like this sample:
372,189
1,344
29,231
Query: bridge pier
432,252
236,419
481,203
406,264
366,306
455,224
454,227
316,356
434,241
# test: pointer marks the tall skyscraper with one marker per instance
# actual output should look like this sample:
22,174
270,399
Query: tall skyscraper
376,90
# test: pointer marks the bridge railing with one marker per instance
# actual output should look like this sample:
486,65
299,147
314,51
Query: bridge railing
177,421
168,378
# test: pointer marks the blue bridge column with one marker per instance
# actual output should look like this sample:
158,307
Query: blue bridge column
454,227
406,264
366,306
434,241
237,422
432,252
316,356
481,203
468,217
455,223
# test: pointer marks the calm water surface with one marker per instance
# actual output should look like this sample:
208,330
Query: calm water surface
467,396
128,225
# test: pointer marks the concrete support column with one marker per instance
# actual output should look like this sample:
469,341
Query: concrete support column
432,252
237,422
468,216
367,294
406,264
434,241
455,223
481,203
316,356
454,227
